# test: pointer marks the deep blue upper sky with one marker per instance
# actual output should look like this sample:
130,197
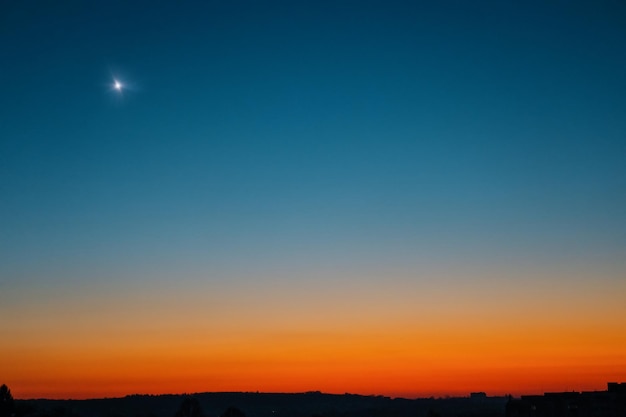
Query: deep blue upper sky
304,134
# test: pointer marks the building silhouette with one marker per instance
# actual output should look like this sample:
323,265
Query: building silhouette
609,403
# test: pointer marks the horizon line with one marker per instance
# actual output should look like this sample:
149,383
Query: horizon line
309,392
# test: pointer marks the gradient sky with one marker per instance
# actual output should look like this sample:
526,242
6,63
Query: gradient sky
376,197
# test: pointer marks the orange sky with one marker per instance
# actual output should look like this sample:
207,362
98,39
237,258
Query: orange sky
79,344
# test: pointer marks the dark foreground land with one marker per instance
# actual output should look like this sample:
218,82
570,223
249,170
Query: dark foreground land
312,404
609,403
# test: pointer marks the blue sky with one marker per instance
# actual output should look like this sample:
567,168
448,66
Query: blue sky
256,135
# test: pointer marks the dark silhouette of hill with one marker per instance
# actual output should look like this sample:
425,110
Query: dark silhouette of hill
609,403
312,404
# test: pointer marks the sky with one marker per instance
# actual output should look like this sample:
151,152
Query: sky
406,198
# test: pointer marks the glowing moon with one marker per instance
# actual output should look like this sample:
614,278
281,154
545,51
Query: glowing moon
117,85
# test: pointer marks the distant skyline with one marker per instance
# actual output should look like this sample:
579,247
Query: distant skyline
376,197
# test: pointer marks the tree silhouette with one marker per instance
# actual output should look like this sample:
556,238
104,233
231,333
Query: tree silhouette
233,412
190,407
7,405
